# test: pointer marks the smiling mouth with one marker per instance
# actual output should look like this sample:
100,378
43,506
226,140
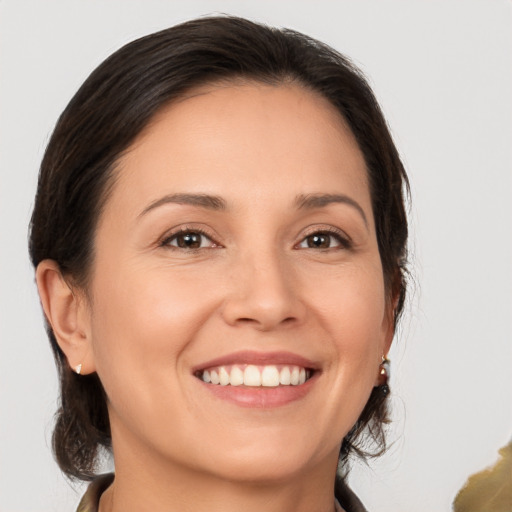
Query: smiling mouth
254,376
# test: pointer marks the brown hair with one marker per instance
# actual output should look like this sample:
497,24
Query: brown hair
111,108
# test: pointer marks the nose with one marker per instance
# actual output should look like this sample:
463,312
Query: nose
263,293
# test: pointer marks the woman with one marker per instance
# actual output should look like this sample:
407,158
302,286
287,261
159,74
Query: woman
219,239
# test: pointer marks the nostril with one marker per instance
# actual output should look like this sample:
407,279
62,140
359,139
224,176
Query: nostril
265,323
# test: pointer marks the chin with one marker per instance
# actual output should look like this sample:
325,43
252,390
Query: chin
261,469
268,457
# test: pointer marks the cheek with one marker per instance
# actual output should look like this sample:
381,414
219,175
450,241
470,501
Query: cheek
142,324
350,302
363,330
142,327
351,307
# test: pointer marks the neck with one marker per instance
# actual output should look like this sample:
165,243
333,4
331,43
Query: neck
144,483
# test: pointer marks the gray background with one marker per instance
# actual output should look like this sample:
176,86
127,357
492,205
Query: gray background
442,71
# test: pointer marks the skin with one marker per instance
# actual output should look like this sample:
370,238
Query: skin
154,311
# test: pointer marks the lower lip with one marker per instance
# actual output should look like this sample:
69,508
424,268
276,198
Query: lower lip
261,397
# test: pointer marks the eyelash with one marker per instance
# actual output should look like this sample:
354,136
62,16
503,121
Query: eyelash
342,239
166,242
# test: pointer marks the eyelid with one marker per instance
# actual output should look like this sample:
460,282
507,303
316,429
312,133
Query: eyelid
342,237
169,235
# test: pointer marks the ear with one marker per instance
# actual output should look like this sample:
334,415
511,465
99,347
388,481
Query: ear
389,324
388,332
395,295
68,315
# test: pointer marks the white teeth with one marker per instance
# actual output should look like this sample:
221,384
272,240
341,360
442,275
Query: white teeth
252,376
270,377
294,377
223,376
284,376
256,376
237,376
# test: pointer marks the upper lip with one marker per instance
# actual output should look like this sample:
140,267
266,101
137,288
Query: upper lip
258,358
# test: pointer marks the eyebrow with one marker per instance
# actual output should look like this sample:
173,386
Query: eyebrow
312,201
201,200
302,202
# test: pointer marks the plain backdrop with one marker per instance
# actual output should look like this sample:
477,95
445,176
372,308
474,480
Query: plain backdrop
442,72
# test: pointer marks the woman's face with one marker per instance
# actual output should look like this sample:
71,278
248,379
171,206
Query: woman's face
238,246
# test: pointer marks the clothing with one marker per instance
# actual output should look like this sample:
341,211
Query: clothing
91,499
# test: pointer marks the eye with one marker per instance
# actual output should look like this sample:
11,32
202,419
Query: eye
189,239
324,240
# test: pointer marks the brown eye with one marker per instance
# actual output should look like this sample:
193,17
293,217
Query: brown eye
189,240
322,240
319,241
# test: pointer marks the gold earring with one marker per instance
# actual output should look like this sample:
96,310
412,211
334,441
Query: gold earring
384,374
78,369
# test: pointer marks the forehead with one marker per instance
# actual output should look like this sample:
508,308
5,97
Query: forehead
258,109
228,138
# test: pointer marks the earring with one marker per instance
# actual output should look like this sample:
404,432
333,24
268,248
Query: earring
78,369
384,374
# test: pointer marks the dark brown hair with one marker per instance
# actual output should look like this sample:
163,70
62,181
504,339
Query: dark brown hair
114,105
